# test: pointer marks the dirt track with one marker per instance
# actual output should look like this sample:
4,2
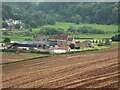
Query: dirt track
81,70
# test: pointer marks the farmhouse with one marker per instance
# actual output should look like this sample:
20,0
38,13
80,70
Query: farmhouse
11,22
62,40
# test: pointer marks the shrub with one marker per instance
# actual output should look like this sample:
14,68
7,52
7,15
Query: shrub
5,33
52,30
72,29
17,26
116,37
101,44
72,46
8,50
91,30
4,25
77,47
6,40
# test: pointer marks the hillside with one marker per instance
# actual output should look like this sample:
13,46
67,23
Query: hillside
48,13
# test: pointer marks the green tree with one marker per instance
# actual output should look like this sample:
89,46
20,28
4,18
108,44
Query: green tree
72,46
116,37
7,11
76,19
33,24
84,30
49,20
4,25
17,26
48,13
72,29
108,42
87,19
5,33
6,40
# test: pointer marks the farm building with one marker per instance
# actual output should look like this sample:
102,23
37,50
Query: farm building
84,44
59,49
62,40
34,44
11,22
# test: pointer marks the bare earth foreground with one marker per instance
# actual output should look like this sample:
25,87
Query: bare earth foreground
93,69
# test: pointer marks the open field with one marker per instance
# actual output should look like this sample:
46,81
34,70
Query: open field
87,69
94,36
10,57
19,35
65,26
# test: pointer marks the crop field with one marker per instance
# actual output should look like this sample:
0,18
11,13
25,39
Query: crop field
93,69
10,57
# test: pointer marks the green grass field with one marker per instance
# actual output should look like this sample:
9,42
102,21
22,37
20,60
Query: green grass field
19,35
65,26
95,36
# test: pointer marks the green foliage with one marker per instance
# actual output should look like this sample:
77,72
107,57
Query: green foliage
101,44
28,39
87,19
85,30
116,37
44,13
118,30
76,19
72,46
91,30
52,30
7,12
33,24
5,33
108,42
8,50
6,40
4,25
17,26
72,29
77,47
30,29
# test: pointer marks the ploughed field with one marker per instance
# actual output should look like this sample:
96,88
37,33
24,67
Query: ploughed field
11,57
86,69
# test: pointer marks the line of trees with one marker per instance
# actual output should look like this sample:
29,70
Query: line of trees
85,30
49,30
116,37
52,31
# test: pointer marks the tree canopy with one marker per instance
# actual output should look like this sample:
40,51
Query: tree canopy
43,13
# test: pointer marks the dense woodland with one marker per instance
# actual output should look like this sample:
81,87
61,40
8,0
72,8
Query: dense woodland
38,14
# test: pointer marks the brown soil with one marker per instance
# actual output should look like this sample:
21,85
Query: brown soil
94,69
